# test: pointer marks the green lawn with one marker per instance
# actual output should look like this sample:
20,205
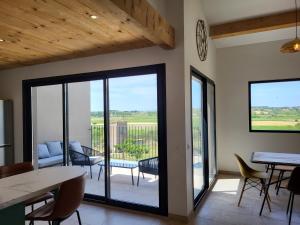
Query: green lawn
275,118
284,128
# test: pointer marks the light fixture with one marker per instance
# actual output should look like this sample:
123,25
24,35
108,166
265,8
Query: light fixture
1,40
294,45
94,17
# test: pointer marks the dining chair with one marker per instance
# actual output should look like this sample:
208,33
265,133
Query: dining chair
294,188
253,178
19,168
67,201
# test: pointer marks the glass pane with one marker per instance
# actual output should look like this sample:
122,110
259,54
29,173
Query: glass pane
197,135
211,131
275,106
133,139
47,124
86,132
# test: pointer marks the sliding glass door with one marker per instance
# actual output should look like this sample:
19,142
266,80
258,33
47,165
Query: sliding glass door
197,136
211,126
133,139
86,132
203,133
112,124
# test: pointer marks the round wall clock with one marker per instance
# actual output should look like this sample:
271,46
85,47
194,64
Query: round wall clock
201,40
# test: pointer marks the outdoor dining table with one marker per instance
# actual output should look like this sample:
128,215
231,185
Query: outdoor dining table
15,190
273,159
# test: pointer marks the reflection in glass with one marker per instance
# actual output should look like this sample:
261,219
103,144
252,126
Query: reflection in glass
197,135
47,126
86,132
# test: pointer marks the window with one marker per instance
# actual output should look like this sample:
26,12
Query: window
274,106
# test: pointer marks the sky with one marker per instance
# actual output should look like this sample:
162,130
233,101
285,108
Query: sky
196,94
276,94
126,93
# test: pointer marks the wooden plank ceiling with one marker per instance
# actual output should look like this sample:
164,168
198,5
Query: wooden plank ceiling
40,31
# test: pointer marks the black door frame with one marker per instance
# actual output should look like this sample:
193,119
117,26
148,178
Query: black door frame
64,80
205,80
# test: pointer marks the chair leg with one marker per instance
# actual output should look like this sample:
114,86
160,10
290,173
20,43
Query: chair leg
100,171
263,184
291,208
279,182
288,207
242,192
132,180
91,172
143,176
78,217
49,222
267,170
278,179
261,190
138,180
32,207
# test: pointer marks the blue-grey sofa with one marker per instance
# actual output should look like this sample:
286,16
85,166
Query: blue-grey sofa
50,154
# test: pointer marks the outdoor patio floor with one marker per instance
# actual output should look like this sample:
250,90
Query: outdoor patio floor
121,186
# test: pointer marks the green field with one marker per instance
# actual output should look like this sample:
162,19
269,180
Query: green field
128,116
275,118
140,140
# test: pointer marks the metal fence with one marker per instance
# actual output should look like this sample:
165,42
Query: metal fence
127,141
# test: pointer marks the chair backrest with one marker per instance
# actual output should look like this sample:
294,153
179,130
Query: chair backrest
149,165
294,182
244,168
15,169
69,197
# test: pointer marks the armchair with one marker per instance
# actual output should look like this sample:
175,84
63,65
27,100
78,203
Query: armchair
83,156
149,166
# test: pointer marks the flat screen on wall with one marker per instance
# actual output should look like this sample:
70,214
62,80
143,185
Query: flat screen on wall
274,106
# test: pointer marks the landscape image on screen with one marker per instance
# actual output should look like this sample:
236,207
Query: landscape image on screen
275,106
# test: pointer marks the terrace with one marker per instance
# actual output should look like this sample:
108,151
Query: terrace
129,143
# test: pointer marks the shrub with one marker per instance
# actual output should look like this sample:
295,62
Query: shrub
133,148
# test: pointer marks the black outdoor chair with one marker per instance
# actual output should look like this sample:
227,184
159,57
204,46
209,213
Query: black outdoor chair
84,156
149,166
294,188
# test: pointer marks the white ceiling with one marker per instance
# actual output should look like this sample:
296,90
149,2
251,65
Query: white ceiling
223,11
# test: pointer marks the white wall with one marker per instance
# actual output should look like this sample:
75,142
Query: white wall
11,88
193,11
236,66
80,112
49,117
49,120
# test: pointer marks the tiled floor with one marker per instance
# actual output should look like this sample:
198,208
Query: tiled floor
121,186
219,208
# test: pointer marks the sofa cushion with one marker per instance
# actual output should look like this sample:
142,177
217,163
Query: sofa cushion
43,151
51,161
76,146
54,148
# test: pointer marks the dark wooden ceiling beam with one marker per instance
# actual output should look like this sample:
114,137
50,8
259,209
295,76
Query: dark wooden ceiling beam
254,25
